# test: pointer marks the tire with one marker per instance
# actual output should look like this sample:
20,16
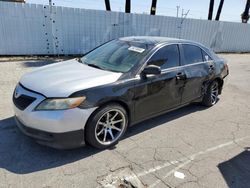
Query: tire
106,126
211,96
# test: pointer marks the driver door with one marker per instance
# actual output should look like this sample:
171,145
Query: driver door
157,93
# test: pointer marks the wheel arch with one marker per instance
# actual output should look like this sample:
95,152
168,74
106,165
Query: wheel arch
120,102
115,101
220,82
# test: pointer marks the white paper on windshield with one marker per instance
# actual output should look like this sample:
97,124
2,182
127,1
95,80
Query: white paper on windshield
136,49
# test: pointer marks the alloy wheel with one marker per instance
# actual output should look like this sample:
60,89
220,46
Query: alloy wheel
110,127
214,93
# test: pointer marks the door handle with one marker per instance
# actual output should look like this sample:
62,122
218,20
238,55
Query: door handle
181,76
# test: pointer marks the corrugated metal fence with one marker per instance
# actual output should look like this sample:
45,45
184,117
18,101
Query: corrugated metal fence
41,29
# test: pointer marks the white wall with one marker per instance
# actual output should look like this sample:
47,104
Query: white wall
27,29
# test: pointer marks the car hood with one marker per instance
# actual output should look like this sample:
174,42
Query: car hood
64,78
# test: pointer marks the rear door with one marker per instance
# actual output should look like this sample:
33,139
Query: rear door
198,67
161,92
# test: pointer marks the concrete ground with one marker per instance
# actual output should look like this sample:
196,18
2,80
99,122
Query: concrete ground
190,147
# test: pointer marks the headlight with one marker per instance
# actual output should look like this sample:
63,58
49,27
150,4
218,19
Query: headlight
60,104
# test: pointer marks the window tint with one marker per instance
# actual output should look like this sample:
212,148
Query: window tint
192,54
166,57
206,57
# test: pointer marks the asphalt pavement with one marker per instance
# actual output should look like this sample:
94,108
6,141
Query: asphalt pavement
190,147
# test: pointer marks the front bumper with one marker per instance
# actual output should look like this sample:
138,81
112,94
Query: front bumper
67,140
58,128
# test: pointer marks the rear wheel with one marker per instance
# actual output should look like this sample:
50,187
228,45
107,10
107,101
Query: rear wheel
211,96
106,126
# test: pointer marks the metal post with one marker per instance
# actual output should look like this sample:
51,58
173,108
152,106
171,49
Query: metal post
178,7
127,6
245,14
153,7
211,8
217,18
183,16
107,4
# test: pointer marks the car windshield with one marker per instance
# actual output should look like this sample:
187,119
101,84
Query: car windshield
117,55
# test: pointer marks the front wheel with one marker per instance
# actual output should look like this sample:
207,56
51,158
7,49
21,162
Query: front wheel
211,96
106,126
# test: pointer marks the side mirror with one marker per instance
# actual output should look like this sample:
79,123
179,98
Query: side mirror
151,69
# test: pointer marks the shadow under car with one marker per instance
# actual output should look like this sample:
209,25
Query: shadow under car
21,155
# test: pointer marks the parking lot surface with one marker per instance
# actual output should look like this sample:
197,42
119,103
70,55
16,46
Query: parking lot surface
190,147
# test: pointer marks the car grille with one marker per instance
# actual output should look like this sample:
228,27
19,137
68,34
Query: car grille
23,101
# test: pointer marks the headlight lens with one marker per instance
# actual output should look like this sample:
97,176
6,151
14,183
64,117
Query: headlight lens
60,104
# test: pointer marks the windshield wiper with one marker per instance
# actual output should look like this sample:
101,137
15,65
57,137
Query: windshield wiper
79,60
95,66
99,67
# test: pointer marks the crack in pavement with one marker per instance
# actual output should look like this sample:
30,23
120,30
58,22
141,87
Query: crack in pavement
192,157
184,161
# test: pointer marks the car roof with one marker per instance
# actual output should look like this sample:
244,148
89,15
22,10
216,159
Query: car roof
153,40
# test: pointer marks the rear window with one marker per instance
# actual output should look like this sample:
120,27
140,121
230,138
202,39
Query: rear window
192,54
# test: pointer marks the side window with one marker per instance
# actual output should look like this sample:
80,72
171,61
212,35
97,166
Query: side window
192,54
205,56
166,57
